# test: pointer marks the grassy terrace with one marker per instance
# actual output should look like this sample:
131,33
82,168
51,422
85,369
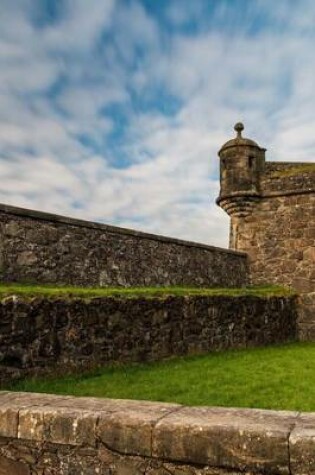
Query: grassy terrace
274,377
31,291
281,377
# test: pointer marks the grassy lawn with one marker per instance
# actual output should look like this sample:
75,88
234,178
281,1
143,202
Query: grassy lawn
30,291
281,377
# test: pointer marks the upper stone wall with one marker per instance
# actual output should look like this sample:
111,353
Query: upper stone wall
45,248
282,177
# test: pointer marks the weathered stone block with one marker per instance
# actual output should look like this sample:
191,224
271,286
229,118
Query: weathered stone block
8,421
129,429
229,438
32,425
26,258
72,428
13,467
302,446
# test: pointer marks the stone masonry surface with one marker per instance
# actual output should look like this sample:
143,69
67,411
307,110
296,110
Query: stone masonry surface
42,434
272,209
43,335
44,248
282,251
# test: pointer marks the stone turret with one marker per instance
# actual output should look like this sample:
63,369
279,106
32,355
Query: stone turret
242,162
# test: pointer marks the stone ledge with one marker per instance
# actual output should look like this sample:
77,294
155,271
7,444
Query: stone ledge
55,218
259,441
262,195
274,194
229,438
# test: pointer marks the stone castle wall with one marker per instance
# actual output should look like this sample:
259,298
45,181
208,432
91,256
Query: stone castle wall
279,237
45,335
44,248
45,434
272,210
286,177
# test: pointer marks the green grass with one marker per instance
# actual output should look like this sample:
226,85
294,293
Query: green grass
281,377
31,291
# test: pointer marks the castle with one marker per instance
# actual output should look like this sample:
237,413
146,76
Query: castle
272,238
272,210
271,205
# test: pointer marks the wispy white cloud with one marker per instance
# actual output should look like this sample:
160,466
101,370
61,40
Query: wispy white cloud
112,112
79,27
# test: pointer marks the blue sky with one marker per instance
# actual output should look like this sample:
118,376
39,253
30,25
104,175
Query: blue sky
113,110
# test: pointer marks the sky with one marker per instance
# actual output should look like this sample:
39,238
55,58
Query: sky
114,110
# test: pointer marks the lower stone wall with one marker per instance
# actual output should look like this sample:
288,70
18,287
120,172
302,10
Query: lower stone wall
42,334
50,435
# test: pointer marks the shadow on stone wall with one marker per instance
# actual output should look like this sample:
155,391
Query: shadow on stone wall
45,335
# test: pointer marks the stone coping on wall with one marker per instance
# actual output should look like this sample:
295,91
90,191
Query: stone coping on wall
55,218
261,195
236,440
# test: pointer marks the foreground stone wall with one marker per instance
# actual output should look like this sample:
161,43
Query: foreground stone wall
279,237
42,335
50,435
44,248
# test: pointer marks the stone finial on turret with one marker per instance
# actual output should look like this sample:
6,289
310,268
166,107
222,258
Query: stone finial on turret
239,127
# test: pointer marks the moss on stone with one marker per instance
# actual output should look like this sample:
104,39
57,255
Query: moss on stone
294,170
47,291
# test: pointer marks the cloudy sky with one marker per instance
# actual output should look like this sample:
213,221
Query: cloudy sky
113,110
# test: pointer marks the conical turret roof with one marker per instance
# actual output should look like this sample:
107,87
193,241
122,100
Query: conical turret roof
239,140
